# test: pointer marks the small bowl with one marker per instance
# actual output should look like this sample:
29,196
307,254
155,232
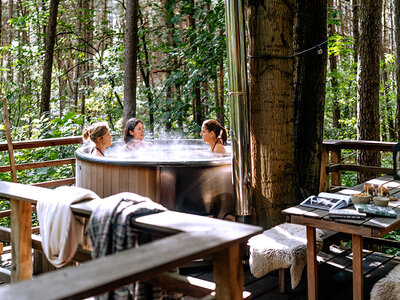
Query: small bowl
381,201
358,199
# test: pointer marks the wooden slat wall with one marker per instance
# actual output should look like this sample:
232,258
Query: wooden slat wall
107,179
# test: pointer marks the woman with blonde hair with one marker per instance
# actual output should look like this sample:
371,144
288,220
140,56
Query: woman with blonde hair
215,135
99,134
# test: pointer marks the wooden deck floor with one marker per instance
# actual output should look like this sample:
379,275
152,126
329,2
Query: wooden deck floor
334,275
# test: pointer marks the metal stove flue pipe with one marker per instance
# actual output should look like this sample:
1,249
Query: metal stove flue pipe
239,108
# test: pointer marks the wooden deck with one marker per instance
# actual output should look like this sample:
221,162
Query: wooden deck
334,270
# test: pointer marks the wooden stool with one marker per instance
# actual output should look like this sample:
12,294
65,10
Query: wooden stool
281,247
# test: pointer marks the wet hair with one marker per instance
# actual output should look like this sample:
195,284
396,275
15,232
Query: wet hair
95,131
130,125
220,131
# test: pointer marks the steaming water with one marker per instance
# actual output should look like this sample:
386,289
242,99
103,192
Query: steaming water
164,151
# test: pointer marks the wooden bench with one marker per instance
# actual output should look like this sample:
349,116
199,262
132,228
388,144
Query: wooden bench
188,237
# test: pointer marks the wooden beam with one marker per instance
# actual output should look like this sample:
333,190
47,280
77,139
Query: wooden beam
55,183
360,168
41,164
228,274
43,143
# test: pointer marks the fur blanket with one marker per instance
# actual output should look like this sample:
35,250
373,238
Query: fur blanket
280,247
387,288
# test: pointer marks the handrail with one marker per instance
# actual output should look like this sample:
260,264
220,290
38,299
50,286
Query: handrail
63,141
334,166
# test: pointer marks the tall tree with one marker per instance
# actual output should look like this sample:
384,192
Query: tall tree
48,57
334,83
310,85
356,31
131,40
397,55
270,25
368,124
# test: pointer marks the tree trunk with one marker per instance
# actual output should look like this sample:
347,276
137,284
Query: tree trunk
368,124
130,80
397,55
310,94
48,58
334,84
10,38
356,31
270,25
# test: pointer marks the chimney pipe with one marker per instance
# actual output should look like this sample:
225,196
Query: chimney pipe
239,108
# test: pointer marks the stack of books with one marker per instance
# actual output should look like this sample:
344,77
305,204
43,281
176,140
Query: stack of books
346,214
376,210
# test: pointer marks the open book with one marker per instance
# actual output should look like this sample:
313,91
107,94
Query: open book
327,201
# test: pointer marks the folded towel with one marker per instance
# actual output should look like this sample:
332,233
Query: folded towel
58,227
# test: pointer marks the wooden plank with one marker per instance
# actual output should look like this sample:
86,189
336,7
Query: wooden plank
324,178
43,143
336,175
124,179
21,222
107,188
358,275
55,183
312,270
358,168
228,274
332,225
42,164
115,180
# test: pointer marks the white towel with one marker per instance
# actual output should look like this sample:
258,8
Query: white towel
58,226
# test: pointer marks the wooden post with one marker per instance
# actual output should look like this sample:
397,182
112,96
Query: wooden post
312,267
324,179
21,220
228,274
336,177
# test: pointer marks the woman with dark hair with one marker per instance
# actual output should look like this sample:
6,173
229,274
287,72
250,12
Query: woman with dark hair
100,135
215,135
133,134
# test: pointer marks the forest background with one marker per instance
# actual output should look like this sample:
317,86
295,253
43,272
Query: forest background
181,70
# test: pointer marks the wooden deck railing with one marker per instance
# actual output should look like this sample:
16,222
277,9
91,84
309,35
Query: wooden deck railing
18,145
332,162
189,237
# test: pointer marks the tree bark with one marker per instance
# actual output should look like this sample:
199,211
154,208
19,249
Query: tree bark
270,25
310,93
368,123
48,58
130,80
397,55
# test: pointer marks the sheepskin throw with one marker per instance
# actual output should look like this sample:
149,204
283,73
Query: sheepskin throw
281,247
387,288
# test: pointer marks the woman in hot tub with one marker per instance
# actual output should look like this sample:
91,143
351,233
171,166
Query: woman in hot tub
100,135
215,135
133,135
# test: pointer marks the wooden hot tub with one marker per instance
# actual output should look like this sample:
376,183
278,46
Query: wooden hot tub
180,174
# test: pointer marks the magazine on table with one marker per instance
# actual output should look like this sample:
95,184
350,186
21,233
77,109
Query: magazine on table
327,201
376,210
